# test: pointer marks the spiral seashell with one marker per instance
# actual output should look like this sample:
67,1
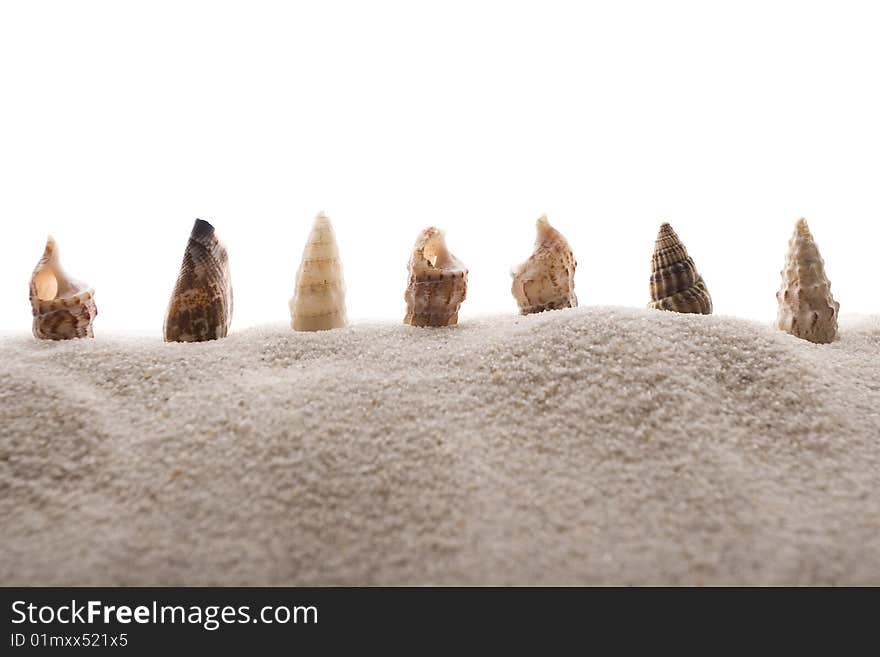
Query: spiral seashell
437,282
201,304
546,280
806,308
318,301
675,283
63,308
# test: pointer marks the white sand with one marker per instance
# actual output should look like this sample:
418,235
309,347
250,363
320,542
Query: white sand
587,446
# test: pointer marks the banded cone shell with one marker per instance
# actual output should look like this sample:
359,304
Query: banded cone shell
806,308
675,283
63,308
437,282
318,301
546,280
201,304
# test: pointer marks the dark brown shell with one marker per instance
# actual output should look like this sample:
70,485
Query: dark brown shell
201,304
675,283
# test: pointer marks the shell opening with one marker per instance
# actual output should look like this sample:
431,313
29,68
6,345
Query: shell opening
435,252
432,252
47,285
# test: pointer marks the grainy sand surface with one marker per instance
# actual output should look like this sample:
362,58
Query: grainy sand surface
586,446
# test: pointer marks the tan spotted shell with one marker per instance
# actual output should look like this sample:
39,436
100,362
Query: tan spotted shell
437,282
806,308
675,283
546,280
63,308
201,303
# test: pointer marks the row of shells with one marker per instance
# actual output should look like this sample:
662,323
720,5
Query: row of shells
201,303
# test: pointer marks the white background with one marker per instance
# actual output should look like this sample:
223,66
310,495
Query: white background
121,122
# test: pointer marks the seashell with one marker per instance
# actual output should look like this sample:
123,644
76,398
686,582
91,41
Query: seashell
437,282
63,308
806,308
318,301
201,304
675,283
546,280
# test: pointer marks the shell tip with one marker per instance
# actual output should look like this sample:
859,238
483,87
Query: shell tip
201,229
666,232
51,248
430,234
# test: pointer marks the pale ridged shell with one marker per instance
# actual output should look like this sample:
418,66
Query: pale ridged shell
806,308
437,282
546,280
63,308
675,283
318,301
201,304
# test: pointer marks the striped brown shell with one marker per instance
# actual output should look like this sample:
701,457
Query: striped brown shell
63,308
201,304
675,283
437,282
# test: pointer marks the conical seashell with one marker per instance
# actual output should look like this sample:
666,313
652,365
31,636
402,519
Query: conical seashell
675,283
437,282
63,308
201,304
318,301
806,308
546,280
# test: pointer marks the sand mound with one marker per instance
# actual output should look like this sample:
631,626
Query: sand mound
586,446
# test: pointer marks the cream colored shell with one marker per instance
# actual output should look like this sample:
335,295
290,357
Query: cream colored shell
318,301
546,280
806,308
63,308
437,282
